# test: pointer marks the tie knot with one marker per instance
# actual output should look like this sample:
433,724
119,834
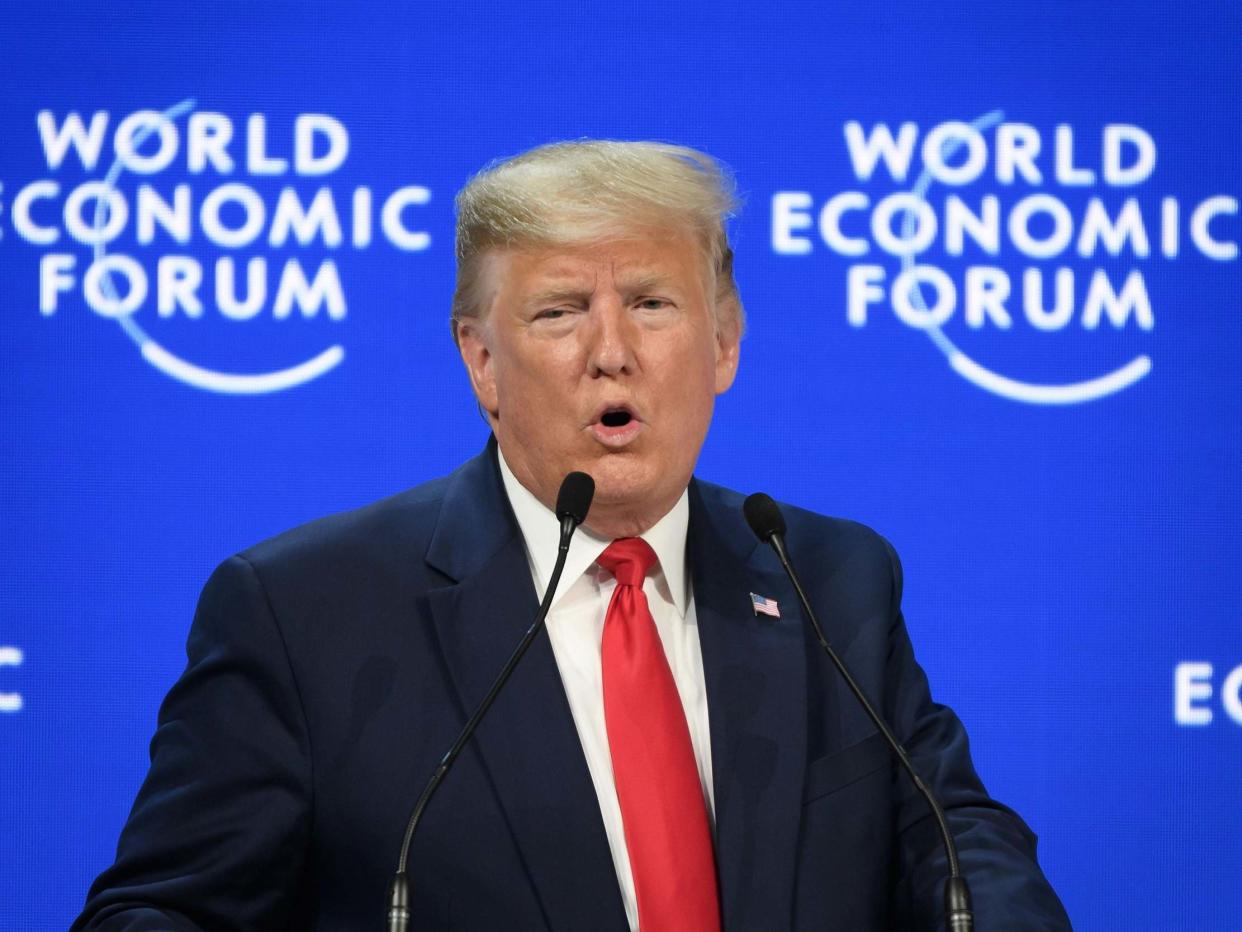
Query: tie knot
629,559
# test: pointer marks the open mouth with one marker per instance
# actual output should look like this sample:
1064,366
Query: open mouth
616,417
616,426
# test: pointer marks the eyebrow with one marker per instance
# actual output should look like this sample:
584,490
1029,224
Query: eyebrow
648,283
636,286
556,295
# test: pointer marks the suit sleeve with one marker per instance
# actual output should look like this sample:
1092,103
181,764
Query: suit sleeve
217,837
996,849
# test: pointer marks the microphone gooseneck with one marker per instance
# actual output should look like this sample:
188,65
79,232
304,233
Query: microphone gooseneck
572,504
768,524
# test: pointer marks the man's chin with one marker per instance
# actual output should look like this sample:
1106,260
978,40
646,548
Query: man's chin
621,478
629,503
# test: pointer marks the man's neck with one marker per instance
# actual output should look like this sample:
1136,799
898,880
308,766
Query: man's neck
541,530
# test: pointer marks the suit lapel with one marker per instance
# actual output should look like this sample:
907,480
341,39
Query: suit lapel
755,669
756,687
528,742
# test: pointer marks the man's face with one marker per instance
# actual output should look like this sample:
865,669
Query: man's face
604,358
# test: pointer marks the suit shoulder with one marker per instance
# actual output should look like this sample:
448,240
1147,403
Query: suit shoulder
806,528
818,530
811,536
399,524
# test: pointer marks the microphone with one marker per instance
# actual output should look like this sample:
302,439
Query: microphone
573,501
768,524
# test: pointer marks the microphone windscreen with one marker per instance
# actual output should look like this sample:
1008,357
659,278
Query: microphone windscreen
574,498
764,516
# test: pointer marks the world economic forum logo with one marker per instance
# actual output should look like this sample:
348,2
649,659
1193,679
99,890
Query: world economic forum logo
10,701
1025,198
192,217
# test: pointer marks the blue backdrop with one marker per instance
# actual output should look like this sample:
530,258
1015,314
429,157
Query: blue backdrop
989,256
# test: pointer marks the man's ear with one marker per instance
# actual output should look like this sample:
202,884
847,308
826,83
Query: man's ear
472,342
728,342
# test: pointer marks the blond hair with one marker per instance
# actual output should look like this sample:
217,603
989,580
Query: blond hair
578,192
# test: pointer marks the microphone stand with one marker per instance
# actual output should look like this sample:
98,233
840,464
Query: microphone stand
768,524
572,506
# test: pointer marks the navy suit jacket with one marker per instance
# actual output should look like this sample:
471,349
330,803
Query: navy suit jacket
330,668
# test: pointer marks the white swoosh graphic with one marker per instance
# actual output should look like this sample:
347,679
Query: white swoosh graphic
1067,394
232,384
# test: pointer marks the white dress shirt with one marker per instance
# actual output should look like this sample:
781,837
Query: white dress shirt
576,629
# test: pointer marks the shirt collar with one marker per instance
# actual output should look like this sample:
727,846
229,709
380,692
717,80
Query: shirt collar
541,532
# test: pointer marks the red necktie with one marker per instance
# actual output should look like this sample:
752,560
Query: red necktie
662,806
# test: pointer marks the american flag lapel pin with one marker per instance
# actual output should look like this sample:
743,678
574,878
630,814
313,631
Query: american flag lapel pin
764,606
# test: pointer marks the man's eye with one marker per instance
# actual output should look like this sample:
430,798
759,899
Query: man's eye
554,313
652,304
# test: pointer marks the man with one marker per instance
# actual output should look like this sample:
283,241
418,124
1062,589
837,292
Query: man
666,756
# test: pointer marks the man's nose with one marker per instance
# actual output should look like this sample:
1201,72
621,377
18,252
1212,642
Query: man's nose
614,339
